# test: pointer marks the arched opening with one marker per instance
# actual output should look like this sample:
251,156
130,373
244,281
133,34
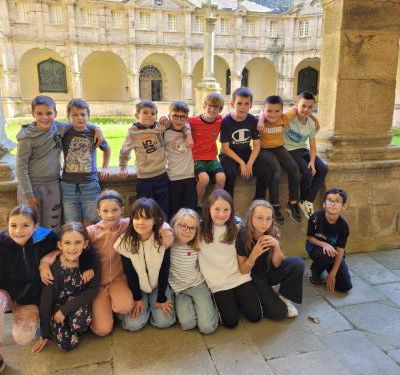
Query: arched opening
306,77
245,78
150,84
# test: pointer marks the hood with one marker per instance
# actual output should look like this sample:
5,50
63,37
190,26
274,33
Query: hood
38,235
30,131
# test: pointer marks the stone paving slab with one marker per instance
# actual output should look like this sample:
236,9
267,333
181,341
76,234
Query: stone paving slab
391,291
105,369
389,259
359,354
395,355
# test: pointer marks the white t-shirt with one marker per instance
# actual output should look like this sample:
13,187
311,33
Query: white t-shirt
297,134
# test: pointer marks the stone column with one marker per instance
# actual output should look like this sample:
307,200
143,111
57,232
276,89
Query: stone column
77,91
357,92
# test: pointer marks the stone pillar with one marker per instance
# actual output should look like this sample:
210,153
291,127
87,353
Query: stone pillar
236,81
285,88
357,92
77,90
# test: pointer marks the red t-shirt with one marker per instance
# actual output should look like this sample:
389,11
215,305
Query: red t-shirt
205,135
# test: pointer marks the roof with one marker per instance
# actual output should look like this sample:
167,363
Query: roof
251,6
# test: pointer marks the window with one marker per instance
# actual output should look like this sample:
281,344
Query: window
22,12
86,17
303,28
116,19
172,22
228,82
55,15
144,20
198,24
273,29
225,26
250,27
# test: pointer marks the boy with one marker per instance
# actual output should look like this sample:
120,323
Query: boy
38,161
80,183
180,166
274,156
326,239
146,137
238,130
313,170
205,130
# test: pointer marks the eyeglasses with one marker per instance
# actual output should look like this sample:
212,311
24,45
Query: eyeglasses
179,117
186,228
333,203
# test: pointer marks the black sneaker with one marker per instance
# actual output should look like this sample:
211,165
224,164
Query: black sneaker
278,215
314,280
293,210
2,364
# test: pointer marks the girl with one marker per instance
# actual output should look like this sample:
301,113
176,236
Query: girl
260,254
21,248
65,310
232,290
194,305
146,264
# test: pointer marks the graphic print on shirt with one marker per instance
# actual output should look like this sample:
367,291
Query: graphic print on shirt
273,130
241,136
58,141
295,136
179,144
78,156
151,142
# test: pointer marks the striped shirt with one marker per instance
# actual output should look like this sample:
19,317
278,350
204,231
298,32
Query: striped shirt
184,271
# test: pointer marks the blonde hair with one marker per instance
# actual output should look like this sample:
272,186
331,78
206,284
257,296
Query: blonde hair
179,216
214,98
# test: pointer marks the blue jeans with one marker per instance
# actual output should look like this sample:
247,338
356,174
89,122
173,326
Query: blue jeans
195,307
156,316
80,201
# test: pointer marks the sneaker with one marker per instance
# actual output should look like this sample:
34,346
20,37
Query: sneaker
278,215
292,311
314,280
307,208
293,211
2,364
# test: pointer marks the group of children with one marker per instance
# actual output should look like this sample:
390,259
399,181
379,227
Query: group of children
141,269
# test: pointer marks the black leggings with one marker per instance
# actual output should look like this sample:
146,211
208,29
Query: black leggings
243,298
275,159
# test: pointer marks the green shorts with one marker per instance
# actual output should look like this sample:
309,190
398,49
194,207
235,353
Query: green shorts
212,167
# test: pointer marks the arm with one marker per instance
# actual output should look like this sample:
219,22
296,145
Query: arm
316,122
167,235
233,155
326,247
104,172
331,279
98,135
125,154
45,311
24,153
163,277
291,113
253,156
261,120
313,155
133,278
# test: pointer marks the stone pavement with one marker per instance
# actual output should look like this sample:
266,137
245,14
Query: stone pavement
357,334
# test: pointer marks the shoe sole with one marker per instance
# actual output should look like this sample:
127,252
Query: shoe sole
291,217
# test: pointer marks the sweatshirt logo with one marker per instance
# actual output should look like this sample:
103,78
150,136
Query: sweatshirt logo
240,136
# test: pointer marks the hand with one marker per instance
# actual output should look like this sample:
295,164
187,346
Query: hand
189,141
45,274
261,119
104,174
249,169
137,309
167,307
330,282
329,250
98,136
164,121
123,173
311,166
33,203
243,169
59,317
259,248
167,238
40,345
87,275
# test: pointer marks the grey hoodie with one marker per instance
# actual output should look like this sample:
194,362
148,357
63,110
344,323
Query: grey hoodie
38,155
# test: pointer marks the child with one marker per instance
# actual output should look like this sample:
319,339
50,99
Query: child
193,301
79,183
21,248
65,306
38,161
260,254
274,156
313,170
146,263
238,130
180,166
205,131
326,240
232,291
146,137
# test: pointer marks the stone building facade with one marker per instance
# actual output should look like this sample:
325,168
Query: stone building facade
114,52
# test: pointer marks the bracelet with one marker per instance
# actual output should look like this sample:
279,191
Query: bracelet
249,264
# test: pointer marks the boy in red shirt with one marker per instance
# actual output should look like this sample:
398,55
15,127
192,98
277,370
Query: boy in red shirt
205,131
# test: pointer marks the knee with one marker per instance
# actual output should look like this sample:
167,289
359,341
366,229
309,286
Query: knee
345,287
220,179
209,326
122,307
23,335
230,322
254,316
187,323
66,346
101,330
298,265
203,179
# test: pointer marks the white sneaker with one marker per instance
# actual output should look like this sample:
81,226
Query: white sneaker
307,208
292,312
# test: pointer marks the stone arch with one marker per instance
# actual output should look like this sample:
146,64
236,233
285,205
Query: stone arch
171,75
221,67
104,77
306,76
150,83
262,77
29,74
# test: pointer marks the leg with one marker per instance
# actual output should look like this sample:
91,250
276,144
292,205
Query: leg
273,307
203,180
121,296
159,318
26,319
80,320
140,321
270,162
50,204
321,261
89,194
231,169
102,314
220,180
225,301
70,202
6,304
261,172
343,279
185,310
176,193
161,195
144,188
249,304
189,193
207,317
302,161
318,179
65,337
